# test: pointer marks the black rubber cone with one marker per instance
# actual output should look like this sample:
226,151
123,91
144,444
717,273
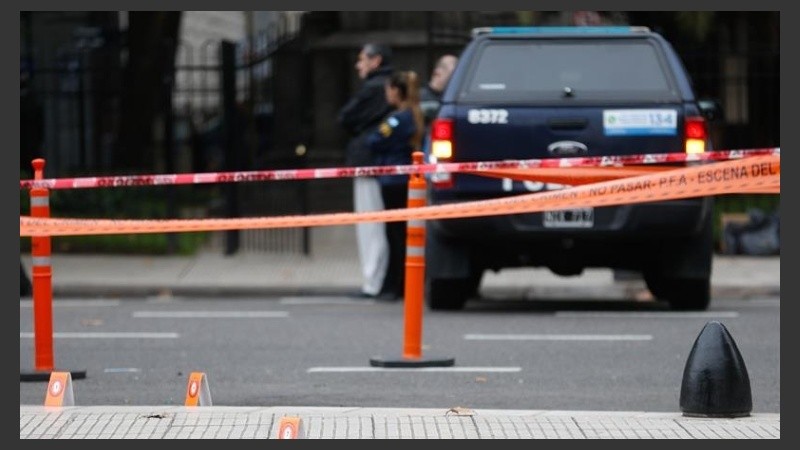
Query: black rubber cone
715,381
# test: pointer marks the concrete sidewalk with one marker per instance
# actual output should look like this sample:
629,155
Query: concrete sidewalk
333,269
213,422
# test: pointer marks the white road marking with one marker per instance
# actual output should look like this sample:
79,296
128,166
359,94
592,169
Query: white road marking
121,370
759,302
211,314
122,335
333,300
29,303
653,314
413,369
558,337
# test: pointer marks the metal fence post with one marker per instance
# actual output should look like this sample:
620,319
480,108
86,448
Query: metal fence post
232,153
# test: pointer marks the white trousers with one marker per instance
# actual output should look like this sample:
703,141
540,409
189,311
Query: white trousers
373,248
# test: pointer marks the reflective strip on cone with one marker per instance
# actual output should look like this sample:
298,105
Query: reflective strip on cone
40,261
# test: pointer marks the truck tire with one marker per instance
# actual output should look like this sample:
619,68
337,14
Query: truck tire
451,294
683,278
683,294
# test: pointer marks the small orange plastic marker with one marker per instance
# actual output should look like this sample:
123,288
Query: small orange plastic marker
290,428
59,390
197,390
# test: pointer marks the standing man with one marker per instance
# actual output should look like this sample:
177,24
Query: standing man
359,116
431,94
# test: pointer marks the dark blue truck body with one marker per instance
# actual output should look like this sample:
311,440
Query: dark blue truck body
558,92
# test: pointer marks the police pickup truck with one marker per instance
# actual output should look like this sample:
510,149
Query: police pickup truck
555,92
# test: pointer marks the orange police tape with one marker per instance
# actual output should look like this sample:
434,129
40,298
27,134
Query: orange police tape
757,174
572,175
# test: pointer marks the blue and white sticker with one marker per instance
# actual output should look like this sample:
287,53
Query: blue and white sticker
640,122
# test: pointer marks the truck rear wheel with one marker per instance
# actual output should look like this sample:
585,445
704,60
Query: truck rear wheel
450,294
683,275
685,294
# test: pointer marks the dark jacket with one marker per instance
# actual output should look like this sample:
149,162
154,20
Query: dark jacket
362,113
429,102
390,144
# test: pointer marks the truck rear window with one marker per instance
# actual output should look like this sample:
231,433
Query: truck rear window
575,71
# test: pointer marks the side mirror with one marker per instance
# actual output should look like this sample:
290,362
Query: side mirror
710,109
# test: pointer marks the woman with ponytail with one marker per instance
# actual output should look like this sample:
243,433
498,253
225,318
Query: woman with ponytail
392,143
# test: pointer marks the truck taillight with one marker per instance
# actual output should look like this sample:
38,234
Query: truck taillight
441,150
696,135
442,138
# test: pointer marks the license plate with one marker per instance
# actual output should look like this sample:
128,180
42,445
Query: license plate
569,218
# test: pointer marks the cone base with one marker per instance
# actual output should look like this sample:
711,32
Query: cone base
717,415
45,375
427,361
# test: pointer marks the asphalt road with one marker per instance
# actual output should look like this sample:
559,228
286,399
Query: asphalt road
510,353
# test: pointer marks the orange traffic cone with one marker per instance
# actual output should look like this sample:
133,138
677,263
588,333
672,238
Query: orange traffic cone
44,360
414,285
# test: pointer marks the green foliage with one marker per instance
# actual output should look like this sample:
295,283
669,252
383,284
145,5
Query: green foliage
697,24
148,202
148,244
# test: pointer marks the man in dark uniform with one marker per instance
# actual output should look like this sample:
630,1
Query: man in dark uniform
359,116
431,94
